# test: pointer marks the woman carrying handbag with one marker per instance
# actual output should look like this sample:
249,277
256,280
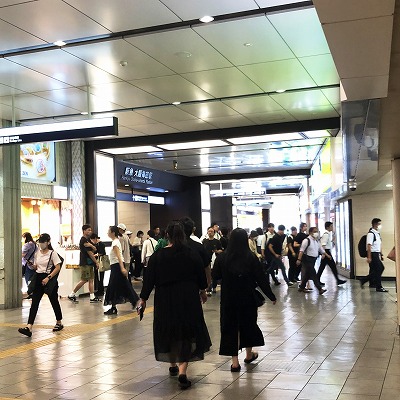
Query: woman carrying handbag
47,265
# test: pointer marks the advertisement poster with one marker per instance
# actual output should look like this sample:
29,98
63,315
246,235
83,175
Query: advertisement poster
38,161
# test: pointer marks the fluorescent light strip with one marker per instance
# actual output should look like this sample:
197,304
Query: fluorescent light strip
57,127
278,137
193,145
131,150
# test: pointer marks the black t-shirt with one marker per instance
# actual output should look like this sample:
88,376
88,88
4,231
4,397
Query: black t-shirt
299,239
101,248
211,246
200,250
276,241
290,240
224,242
84,258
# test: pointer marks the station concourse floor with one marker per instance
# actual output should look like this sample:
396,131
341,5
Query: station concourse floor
343,345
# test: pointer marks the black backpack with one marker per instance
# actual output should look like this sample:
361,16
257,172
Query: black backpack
362,245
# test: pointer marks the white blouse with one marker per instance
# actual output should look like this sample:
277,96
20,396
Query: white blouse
42,261
113,255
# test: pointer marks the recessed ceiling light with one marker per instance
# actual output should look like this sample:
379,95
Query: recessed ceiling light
206,19
126,185
131,150
183,54
60,43
176,103
281,91
389,185
193,145
84,113
247,44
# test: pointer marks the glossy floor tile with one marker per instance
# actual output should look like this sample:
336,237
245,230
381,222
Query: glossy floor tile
343,345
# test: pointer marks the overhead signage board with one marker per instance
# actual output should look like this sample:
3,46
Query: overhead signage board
60,131
136,198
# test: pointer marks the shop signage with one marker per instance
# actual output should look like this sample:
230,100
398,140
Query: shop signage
60,131
136,198
138,175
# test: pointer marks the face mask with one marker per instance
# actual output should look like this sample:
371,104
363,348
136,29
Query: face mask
315,235
379,227
43,246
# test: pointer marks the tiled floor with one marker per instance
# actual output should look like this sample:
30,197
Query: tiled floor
342,345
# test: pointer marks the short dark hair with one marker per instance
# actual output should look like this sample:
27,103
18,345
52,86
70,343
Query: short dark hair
328,224
188,225
302,225
86,226
210,227
375,221
293,228
281,228
94,236
259,231
311,229
213,223
270,225
139,233
151,233
224,231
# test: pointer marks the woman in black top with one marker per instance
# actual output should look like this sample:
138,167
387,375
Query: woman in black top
179,329
241,273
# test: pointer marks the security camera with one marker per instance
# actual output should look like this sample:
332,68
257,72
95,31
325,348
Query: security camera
352,184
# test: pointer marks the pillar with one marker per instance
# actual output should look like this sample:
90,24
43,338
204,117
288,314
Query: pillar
396,217
10,228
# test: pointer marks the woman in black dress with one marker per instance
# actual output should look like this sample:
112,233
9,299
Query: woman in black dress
179,329
241,273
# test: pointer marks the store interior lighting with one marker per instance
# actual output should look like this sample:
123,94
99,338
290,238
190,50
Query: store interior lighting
193,145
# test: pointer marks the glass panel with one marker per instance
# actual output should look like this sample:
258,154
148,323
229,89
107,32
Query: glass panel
105,216
105,185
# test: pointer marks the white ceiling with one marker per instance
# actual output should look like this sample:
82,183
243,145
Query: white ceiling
225,74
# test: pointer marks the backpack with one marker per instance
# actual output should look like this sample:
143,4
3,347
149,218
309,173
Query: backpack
362,245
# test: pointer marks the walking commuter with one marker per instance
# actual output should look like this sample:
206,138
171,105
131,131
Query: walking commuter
28,253
162,241
327,244
374,257
309,251
266,238
87,262
259,239
98,276
180,333
253,244
224,238
274,254
148,248
119,288
47,265
213,248
294,270
125,245
240,273
156,233
137,244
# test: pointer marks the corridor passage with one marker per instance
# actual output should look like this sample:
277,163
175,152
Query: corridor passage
343,345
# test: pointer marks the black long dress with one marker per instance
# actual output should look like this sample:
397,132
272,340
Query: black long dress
179,330
238,319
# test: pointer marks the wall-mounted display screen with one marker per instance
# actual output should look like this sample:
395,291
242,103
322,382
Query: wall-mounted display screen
38,161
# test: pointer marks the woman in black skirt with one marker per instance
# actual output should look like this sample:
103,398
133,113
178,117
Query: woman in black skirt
119,288
179,330
241,272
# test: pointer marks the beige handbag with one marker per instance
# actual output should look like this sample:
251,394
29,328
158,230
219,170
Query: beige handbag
104,263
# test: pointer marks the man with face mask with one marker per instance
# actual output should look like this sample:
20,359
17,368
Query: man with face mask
374,257
309,250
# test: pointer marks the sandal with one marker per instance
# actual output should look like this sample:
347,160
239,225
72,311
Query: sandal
58,327
236,369
254,356
25,331
184,383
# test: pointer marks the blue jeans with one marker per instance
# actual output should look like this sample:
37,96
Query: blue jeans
28,274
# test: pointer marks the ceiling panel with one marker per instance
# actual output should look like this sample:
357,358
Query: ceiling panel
306,100
6,113
321,68
246,41
344,10
108,56
208,110
223,82
333,95
124,132
155,129
270,117
190,126
130,119
14,38
46,24
121,15
273,3
167,114
64,67
302,31
124,94
314,113
182,50
7,90
14,75
187,10
251,105
279,75
229,122
77,98
172,88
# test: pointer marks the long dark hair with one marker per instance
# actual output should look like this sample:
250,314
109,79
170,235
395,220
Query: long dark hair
238,253
28,237
176,235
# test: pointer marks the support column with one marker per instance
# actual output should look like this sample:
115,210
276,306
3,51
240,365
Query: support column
10,228
396,217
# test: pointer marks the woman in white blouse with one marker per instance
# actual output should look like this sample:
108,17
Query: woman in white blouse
119,287
47,265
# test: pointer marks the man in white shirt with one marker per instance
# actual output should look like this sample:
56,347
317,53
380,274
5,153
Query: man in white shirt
310,249
374,257
265,238
326,243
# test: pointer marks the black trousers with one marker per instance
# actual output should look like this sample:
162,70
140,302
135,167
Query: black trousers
294,270
37,295
331,263
308,272
376,269
137,256
98,282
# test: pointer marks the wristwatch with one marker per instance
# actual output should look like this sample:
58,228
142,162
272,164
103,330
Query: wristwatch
49,277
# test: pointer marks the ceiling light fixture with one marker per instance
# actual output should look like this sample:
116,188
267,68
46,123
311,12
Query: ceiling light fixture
183,54
277,137
247,44
206,19
281,91
59,43
84,113
389,185
126,185
131,150
193,145
176,103
123,63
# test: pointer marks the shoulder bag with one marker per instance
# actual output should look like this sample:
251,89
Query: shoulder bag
104,263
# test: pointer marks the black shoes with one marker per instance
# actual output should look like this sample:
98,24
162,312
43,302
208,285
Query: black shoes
236,369
58,327
382,290
95,300
254,356
322,291
341,281
25,331
277,283
173,371
111,311
184,383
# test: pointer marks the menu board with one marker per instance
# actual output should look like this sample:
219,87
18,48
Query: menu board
38,161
